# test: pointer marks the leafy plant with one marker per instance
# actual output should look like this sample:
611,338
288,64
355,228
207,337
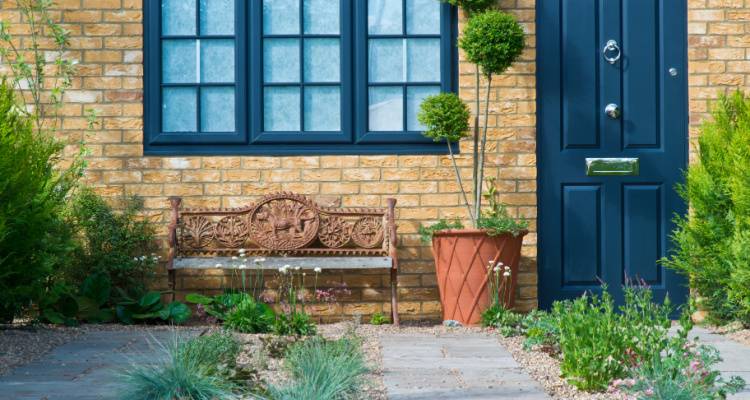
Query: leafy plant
598,344
35,240
116,243
64,305
189,369
296,323
150,307
218,306
379,319
496,219
685,370
542,331
426,232
323,370
250,316
472,6
712,241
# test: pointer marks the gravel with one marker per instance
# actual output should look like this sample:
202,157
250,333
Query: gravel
735,331
21,344
546,370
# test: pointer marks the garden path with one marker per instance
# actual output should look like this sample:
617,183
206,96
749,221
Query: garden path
84,369
460,365
736,358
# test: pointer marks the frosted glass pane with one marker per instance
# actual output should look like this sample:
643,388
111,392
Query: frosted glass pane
179,109
422,16
217,17
280,17
321,16
217,109
384,17
322,60
415,95
281,109
179,61
281,60
386,61
423,60
323,108
178,17
217,60
386,110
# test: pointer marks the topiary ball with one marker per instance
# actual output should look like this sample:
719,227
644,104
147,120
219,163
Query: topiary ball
493,40
445,116
472,6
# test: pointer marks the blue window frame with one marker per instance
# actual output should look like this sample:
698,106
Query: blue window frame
284,77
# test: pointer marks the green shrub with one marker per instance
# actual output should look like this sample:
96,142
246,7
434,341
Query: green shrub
35,240
712,241
218,306
542,331
496,219
445,117
116,243
426,232
190,370
379,319
149,307
250,316
295,323
599,344
493,40
323,370
64,305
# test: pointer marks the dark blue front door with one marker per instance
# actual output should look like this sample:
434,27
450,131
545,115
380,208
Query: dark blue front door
612,96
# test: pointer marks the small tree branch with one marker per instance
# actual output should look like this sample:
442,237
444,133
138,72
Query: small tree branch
475,155
461,184
477,210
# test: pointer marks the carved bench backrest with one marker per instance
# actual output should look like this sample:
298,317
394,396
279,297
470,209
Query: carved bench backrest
282,224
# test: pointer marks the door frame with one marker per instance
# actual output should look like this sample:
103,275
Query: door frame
682,124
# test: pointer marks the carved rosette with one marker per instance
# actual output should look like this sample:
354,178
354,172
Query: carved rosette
368,232
197,232
232,231
334,232
284,221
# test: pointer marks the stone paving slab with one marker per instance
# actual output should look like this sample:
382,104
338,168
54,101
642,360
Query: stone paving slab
454,366
736,358
85,369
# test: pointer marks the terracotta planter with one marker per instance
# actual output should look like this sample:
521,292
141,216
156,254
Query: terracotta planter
461,258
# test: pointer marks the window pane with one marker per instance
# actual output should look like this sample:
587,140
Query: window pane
217,109
217,60
323,108
280,17
415,95
179,61
178,17
322,16
217,17
386,61
322,60
281,60
384,17
281,109
386,111
179,109
423,60
423,17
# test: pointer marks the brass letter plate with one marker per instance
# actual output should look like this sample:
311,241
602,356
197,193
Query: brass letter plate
612,166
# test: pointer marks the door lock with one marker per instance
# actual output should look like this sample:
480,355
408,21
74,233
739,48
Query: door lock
612,110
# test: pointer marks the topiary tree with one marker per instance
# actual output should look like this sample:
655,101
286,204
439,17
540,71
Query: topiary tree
492,40
446,117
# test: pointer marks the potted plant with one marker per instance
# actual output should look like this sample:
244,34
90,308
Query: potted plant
493,40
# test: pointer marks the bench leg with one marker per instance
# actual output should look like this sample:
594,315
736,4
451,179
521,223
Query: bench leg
172,282
394,297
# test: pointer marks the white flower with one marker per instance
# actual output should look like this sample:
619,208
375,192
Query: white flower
287,266
241,251
234,258
218,265
243,266
507,268
496,269
297,268
260,260
318,270
135,258
506,274
282,270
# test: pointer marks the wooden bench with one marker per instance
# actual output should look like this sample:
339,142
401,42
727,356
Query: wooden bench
285,228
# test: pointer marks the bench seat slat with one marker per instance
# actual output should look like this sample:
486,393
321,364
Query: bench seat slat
272,263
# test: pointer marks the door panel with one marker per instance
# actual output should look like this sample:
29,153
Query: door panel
610,229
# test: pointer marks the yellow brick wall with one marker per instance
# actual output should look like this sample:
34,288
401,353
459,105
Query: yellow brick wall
107,41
